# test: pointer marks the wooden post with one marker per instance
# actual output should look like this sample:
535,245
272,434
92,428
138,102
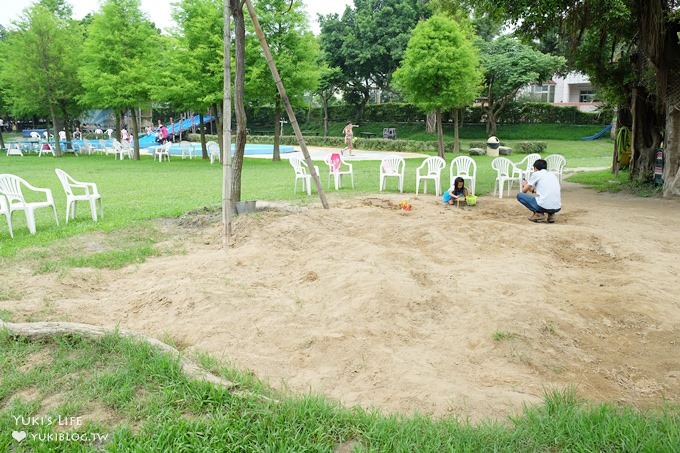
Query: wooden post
227,205
286,103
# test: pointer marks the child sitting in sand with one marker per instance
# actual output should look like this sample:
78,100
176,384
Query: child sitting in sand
457,193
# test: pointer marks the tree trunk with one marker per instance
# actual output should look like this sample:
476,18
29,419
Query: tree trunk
671,84
440,134
324,101
276,154
55,124
490,121
135,133
456,135
431,123
239,98
645,134
218,124
201,132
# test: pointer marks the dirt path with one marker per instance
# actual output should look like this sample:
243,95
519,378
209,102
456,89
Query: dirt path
470,311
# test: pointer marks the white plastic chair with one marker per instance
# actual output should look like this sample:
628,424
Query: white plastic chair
505,172
392,167
213,151
86,191
11,187
187,150
466,168
127,150
4,210
556,165
337,167
302,173
13,149
46,148
109,132
118,151
431,168
163,150
525,167
87,147
34,135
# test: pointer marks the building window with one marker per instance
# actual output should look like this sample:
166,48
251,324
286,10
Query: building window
542,93
586,96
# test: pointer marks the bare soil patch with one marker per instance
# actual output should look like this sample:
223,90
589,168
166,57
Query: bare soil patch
470,312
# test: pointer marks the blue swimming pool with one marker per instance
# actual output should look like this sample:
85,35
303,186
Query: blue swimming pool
251,149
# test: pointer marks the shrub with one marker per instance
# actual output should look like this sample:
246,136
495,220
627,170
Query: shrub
531,147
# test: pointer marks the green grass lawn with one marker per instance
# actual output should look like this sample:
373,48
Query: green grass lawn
120,396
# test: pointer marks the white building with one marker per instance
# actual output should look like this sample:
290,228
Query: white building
573,90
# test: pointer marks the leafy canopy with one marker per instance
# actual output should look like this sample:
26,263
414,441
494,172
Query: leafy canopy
440,67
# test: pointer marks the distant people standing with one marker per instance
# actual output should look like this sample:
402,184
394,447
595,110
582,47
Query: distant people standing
349,137
2,125
161,134
77,135
124,135
62,135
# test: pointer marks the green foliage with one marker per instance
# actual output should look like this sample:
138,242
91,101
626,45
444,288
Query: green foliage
531,147
194,68
120,53
294,50
40,59
368,44
439,70
511,65
151,405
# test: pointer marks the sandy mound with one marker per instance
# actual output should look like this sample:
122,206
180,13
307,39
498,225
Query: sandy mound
470,311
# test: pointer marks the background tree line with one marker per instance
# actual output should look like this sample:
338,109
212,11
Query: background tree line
56,67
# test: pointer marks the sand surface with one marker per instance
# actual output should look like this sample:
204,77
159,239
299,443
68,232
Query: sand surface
469,312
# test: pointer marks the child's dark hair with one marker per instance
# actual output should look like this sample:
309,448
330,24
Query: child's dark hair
457,180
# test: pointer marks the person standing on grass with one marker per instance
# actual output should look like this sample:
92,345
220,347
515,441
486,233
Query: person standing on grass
548,198
349,136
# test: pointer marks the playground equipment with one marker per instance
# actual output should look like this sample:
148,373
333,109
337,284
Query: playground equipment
599,134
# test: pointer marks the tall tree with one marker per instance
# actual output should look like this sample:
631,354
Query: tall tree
440,69
330,81
629,46
510,65
295,52
368,42
194,79
47,42
120,55
239,96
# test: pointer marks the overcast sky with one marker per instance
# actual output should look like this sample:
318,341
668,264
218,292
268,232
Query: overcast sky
11,10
